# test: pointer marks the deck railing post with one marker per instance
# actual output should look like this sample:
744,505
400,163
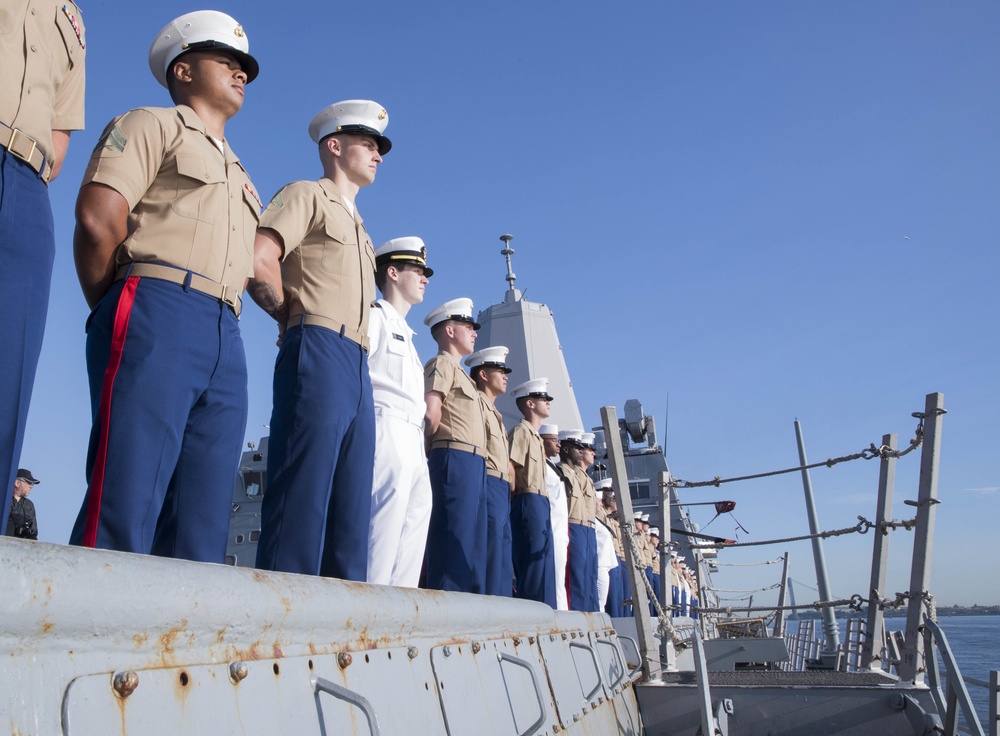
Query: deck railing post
640,602
923,536
779,617
870,659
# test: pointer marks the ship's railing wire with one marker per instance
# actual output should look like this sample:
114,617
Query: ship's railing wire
869,453
749,564
861,527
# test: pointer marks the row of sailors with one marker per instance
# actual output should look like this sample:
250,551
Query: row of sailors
370,456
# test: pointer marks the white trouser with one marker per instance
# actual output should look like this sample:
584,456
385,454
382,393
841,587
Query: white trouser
560,548
401,504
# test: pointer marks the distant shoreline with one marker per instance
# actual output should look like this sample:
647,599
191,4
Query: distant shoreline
974,610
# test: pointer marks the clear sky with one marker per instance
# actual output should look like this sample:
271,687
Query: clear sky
748,211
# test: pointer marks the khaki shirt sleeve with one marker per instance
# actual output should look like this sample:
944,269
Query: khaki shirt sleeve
439,375
68,107
293,213
129,155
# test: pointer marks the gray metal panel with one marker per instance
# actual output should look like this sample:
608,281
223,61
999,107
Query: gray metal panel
529,331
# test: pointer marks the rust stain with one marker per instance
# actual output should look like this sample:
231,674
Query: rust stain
276,652
47,627
140,640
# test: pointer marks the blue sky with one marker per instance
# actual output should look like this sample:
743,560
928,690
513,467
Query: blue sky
752,211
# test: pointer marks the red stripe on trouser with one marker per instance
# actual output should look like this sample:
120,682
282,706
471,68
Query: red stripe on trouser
566,580
122,314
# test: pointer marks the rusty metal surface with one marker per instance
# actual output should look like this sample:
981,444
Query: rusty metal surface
97,642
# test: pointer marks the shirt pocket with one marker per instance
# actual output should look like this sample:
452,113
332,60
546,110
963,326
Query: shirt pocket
251,217
397,355
340,248
200,189
70,51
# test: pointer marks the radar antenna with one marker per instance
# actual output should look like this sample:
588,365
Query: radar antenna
512,293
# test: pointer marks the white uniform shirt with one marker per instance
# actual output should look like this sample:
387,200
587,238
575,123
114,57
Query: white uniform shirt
607,560
396,371
560,531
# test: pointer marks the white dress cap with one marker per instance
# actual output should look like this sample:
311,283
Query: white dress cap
536,388
637,516
410,249
356,117
570,435
200,31
548,429
456,309
654,532
604,484
494,357
587,440
645,518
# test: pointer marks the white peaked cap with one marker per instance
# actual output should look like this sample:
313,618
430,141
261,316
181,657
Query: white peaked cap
200,31
535,388
549,429
570,435
355,117
604,484
409,249
456,309
494,357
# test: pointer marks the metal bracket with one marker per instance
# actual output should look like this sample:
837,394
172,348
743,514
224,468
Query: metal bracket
504,657
597,666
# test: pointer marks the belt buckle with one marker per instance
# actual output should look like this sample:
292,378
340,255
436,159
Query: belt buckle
14,133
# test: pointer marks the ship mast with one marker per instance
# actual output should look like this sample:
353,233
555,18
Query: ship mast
512,294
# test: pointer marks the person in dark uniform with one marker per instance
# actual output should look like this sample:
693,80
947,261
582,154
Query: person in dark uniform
166,219
456,435
42,55
530,516
489,371
315,274
22,521
581,576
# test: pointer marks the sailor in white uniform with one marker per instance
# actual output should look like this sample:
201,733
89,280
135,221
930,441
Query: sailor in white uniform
560,511
401,487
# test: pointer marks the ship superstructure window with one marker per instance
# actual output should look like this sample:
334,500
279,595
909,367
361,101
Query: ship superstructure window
253,482
639,488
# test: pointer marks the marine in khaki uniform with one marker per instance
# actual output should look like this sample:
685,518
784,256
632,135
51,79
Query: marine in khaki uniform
42,54
315,274
489,371
582,501
165,224
530,514
456,438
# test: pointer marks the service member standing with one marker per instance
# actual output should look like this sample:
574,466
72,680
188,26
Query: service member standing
165,224
607,515
489,370
315,274
401,486
582,503
42,50
456,436
22,521
530,517
558,511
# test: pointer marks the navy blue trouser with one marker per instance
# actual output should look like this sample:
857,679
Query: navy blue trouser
532,551
614,607
27,248
168,391
582,568
316,513
499,567
456,539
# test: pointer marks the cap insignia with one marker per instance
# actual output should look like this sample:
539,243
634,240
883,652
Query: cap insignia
238,32
382,114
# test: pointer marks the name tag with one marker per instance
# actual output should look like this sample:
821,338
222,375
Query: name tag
398,337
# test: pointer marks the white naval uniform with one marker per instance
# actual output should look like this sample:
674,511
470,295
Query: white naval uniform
401,487
607,560
560,530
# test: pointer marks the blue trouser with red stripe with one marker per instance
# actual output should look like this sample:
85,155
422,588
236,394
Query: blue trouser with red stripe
27,248
316,512
168,390
626,588
499,567
582,565
456,539
533,553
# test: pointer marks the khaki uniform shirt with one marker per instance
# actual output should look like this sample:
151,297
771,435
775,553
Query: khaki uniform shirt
41,68
582,496
461,411
497,449
328,267
611,522
190,206
527,452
